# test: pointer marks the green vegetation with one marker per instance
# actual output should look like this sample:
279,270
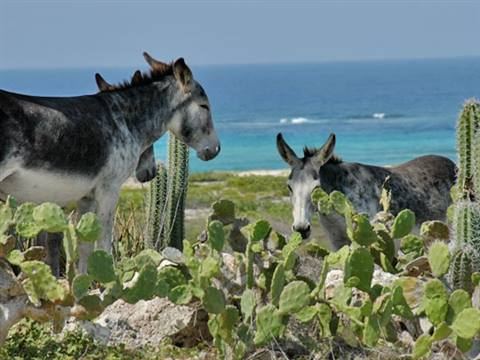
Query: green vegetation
254,304
33,341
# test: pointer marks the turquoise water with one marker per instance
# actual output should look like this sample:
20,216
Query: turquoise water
382,112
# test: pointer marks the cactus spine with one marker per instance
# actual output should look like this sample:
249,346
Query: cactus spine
466,218
166,199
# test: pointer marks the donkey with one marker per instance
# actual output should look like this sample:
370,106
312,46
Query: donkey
146,168
421,185
82,149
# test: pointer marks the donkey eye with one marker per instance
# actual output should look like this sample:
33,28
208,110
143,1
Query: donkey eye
289,188
205,107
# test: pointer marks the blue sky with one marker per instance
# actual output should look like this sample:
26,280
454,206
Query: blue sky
50,34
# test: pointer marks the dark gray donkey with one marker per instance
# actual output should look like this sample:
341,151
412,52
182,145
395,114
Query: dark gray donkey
82,149
421,185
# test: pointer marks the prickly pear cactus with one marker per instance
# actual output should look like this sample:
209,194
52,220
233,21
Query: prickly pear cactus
294,297
439,258
359,269
50,217
403,223
100,267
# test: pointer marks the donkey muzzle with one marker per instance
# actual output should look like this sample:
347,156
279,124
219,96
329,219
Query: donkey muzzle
304,230
208,153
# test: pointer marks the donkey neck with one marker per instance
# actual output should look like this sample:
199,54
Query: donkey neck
145,110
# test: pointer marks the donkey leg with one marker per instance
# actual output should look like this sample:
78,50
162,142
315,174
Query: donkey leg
85,205
106,205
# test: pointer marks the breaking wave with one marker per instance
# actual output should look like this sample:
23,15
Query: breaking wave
376,115
299,120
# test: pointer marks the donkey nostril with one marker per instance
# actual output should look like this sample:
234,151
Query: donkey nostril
217,149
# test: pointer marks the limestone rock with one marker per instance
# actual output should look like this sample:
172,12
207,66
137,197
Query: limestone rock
147,323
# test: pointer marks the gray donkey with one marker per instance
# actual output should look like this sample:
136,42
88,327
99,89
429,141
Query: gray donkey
82,149
421,185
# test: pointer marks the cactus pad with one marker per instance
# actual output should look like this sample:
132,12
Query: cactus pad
50,217
143,286
259,230
269,324
80,285
247,304
439,258
422,346
360,264
467,323
25,225
278,281
216,235
294,297
362,231
181,294
435,301
213,300
403,223
89,228
42,284
100,267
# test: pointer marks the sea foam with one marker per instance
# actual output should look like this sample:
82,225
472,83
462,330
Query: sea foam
298,121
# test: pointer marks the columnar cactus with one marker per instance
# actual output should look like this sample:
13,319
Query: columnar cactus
468,149
177,190
466,210
462,269
166,202
156,207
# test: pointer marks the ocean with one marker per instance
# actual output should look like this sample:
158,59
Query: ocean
383,112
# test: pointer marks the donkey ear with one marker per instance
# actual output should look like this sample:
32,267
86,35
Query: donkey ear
101,83
183,74
137,77
325,152
286,151
154,64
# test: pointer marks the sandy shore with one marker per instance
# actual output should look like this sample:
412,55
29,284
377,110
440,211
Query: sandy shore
133,183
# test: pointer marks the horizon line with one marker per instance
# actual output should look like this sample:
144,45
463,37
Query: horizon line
260,63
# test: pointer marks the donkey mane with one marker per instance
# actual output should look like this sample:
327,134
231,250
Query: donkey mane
309,152
143,78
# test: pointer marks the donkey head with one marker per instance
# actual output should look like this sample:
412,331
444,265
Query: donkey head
192,119
303,179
